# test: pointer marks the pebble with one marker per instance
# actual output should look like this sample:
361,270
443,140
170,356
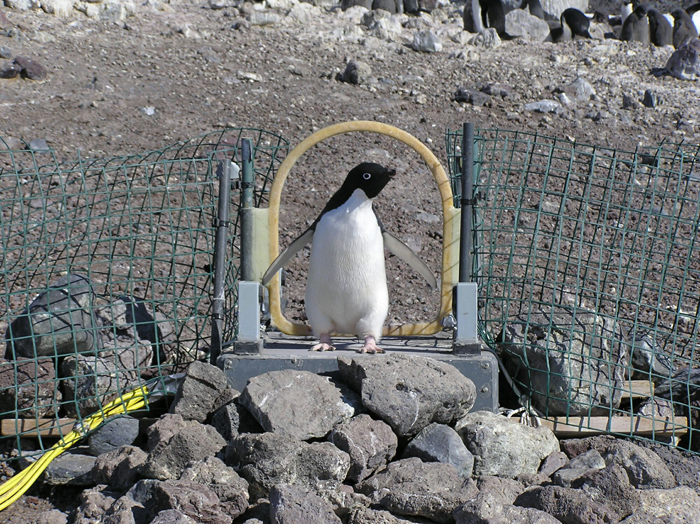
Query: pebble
544,106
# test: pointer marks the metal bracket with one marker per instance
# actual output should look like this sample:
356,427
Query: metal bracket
465,300
249,306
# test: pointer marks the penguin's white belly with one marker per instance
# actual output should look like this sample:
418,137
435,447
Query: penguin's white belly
346,290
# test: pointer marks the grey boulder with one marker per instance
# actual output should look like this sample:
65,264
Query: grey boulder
196,396
28,387
70,469
578,467
231,489
294,505
521,24
121,431
504,448
369,443
412,487
298,404
568,505
409,393
487,508
441,443
119,468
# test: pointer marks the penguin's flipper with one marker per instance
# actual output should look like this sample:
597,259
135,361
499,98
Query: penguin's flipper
287,254
405,253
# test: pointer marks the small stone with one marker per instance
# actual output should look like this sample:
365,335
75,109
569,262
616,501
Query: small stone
629,102
567,505
202,385
31,69
119,468
544,106
231,489
471,96
294,504
263,18
553,463
5,52
579,466
487,39
426,42
356,72
650,99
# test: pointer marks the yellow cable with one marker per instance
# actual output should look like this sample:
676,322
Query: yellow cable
15,487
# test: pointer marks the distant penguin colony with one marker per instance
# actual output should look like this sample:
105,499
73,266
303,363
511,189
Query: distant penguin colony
636,22
346,289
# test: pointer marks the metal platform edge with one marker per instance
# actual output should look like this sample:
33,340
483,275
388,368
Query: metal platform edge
481,368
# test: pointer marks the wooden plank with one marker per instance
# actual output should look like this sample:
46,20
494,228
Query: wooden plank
29,427
638,425
638,389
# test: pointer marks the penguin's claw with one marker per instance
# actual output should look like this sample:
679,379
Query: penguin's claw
323,346
370,347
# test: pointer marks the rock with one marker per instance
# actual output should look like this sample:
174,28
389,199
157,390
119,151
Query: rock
504,489
644,467
191,444
382,25
10,71
53,516
485,508
611,487
90,382
471,96
119,468
521,24
647,358
57,322
554,8
294,504
356,72
409,393
172,516
298,404
232,419
121,431
202,386
568,505
684,63
125,510
544,106
163,429
262,18
269,459
369,443
373,516
440,443
575,360
231,489
553,463
94,503
650,99
684,465
579,466
390,6
27,387
504,448
414,488
23,5
488,39
60,8
70,469
194,500
680,506
426,42
502,90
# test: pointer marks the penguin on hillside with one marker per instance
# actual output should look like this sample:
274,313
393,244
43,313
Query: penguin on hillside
636,26
683,28
346,290
573,23
660,30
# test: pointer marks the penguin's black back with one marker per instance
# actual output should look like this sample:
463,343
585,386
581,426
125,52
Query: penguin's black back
660,30
577,21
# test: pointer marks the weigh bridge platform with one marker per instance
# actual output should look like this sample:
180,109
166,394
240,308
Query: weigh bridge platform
284,352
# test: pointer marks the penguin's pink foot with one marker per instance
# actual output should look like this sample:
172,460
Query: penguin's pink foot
370,346
324,345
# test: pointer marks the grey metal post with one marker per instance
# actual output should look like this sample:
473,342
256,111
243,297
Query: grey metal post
226,171
465,293
247,186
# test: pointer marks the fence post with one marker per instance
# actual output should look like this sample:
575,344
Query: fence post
226,171
465,293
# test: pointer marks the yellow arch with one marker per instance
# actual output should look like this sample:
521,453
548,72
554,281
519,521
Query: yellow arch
450,225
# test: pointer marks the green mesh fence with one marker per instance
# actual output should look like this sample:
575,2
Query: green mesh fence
107,272
589,278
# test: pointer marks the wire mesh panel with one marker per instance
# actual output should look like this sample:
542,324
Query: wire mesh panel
589,274
106,271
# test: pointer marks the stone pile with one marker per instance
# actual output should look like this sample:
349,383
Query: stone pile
390,439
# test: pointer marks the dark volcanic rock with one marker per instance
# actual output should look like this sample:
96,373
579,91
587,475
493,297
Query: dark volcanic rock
202,386
119,468
570,506
441,443
409,393
294,504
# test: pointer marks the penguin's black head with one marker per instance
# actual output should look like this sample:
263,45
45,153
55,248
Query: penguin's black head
370,178
641,10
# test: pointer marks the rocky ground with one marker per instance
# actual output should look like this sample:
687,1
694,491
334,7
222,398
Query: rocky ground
174,71
171,71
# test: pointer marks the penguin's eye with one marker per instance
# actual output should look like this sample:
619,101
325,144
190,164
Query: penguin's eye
366,176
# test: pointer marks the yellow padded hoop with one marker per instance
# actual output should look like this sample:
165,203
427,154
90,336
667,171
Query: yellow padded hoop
450,220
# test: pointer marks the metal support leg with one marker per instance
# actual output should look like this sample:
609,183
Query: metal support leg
249,339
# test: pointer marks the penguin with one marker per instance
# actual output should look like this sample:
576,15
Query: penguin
636,26
626,9
683,28
660,31
346,290
535,8
489,13
573,23
694,12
